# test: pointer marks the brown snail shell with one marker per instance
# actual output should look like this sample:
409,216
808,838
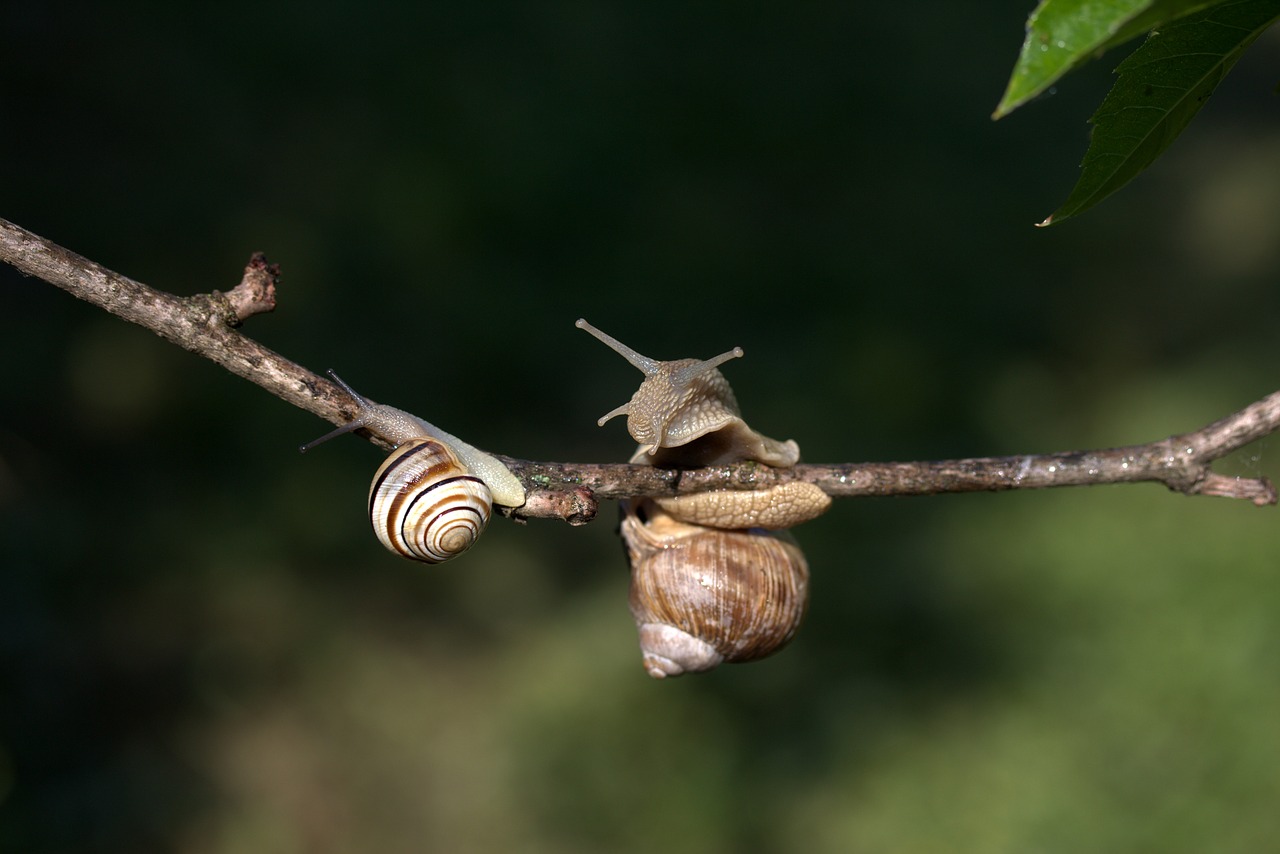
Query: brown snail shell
703,596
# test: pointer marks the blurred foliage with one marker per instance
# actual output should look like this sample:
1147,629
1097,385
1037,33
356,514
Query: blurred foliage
202,647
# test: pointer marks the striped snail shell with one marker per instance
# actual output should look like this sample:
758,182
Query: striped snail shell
425,505
433,496
711,581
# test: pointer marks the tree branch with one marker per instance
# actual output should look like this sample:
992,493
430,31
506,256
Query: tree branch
206,324
203,324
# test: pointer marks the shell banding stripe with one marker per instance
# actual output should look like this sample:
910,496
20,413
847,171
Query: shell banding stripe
425,505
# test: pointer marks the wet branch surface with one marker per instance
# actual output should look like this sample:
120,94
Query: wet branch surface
208,325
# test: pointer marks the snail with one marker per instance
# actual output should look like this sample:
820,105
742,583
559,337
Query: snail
687,405
433,496
714,578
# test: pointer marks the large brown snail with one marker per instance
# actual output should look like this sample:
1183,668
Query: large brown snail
433,496
713,578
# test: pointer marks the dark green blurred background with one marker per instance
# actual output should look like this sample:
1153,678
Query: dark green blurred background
204,649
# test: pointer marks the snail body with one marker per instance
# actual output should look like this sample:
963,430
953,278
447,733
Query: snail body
688,400
434,494
774,509
709,583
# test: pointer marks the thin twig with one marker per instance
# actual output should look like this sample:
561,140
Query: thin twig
256,292
205,325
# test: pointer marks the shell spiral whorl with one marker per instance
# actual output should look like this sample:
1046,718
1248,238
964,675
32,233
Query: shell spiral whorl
424,504
701,596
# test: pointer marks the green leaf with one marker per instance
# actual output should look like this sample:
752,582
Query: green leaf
1160,88
1064,34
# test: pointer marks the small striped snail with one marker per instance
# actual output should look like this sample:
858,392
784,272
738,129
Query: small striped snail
432,497
713,577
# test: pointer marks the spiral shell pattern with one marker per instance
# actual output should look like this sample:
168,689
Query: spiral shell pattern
425,505
702,596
